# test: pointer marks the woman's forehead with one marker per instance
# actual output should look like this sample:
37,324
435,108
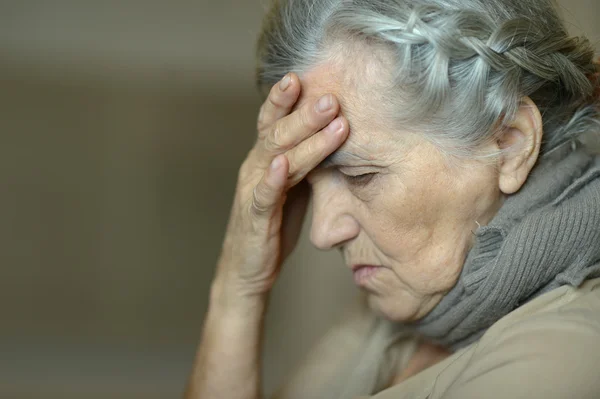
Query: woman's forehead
357,97
364,110
319,81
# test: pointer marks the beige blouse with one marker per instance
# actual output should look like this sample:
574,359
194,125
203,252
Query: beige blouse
548,348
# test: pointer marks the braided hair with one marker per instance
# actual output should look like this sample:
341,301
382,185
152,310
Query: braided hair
462,67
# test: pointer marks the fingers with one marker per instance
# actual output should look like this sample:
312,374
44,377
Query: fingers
279,103
268,193
311,152
291,130
306,136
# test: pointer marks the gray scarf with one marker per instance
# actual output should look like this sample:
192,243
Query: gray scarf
545,236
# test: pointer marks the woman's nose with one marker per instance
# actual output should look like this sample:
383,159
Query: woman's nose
332,222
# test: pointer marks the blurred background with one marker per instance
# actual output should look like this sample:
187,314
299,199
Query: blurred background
123,124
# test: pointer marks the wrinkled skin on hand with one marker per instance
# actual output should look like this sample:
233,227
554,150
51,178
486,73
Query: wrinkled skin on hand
272,195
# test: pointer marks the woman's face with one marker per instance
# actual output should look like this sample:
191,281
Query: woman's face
401,215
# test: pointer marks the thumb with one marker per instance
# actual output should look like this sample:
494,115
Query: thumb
269,191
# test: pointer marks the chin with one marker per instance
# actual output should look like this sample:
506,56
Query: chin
401,310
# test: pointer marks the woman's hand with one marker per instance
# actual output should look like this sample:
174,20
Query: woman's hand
265,221
271,195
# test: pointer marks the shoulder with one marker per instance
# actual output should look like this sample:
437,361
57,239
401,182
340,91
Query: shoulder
552,351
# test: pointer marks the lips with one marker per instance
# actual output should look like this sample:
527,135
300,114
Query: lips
360,266
363,272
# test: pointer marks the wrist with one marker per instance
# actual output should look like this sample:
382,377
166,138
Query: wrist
228,361
229,299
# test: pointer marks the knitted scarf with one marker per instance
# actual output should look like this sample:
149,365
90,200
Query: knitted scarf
545,236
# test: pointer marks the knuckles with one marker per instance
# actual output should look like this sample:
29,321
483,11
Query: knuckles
257,208
277,136
273,141
307,118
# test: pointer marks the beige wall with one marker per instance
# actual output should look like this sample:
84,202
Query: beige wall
123,124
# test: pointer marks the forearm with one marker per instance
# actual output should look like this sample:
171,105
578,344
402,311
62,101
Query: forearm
227,363
260,234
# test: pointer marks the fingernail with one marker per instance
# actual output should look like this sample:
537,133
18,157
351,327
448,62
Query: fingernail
285,83
334,126
276,164
324,103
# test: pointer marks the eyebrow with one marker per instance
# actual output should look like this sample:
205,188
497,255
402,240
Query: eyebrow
340,158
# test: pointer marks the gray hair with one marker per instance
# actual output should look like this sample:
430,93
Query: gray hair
462,66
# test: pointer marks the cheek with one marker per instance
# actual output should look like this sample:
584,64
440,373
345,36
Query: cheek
427,200
414,226
398,212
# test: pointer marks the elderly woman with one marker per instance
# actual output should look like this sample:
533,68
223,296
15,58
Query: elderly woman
445,147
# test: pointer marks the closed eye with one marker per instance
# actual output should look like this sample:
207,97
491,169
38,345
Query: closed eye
359,180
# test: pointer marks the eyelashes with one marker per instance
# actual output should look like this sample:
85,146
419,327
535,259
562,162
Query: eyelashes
359,180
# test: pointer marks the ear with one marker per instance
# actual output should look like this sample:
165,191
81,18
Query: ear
520,144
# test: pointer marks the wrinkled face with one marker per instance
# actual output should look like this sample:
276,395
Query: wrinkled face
400,213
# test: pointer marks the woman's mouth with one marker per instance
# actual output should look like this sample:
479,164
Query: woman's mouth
362,273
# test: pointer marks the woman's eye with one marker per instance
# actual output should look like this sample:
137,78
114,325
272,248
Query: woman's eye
360,180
